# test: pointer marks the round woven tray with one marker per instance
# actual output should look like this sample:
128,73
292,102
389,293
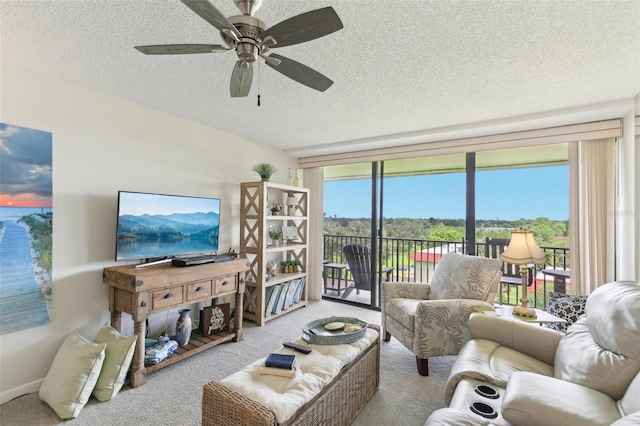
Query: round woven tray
315,333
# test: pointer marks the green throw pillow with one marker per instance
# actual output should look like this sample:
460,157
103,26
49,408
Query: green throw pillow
117,360
73,375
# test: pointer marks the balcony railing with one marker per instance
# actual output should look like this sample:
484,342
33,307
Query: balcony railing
413,260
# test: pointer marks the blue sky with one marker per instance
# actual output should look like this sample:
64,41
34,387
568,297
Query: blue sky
500,194
136,203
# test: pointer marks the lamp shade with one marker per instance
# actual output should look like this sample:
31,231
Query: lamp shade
523,249
292,201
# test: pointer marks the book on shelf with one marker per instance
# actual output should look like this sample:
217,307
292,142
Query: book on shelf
291,288
283,361
271,300
268,294
281,297
272,307
297,297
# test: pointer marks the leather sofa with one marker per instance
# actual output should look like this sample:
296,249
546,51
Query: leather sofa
515,373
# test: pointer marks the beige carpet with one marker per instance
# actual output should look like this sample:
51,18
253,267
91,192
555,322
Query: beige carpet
172,395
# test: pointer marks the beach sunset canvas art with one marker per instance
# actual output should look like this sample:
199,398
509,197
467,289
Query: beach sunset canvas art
26,223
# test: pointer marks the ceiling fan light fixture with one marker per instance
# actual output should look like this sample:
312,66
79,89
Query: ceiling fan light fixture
246,52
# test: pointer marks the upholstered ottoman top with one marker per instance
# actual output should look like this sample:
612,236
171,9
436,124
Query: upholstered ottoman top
286,395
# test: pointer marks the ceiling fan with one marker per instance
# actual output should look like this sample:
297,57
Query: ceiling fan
250,38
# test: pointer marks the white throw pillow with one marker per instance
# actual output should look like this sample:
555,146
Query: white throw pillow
117,360
72,376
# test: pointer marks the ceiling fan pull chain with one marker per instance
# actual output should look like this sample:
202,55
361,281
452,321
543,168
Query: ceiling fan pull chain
259,83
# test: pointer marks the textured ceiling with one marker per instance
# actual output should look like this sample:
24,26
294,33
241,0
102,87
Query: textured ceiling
404,71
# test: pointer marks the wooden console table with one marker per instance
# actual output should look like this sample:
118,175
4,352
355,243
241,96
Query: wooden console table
145,291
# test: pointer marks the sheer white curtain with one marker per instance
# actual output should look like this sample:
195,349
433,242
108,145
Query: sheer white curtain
591,213
314,180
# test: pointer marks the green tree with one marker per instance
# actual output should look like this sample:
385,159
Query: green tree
443,232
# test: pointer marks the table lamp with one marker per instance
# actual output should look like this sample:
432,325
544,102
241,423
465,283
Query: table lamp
522,250
292,202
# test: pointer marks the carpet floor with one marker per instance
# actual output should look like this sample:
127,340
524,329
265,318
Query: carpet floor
172,395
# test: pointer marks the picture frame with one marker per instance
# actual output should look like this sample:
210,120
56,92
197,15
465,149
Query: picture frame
289,233
214,319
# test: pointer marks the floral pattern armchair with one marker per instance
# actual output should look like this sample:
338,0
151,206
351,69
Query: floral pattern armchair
431,319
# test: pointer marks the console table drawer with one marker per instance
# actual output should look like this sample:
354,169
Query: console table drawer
197,291
225,284
166,298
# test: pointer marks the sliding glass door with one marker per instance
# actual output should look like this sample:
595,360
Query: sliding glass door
352,220
410,212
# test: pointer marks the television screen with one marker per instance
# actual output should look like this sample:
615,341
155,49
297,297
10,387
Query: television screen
152,226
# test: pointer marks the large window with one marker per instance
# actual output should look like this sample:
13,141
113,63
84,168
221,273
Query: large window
425,210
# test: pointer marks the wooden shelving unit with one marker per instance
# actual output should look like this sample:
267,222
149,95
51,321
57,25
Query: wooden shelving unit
256,220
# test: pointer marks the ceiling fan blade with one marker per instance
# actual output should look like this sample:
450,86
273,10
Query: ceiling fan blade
207,11
241,79
180,49
301,28
300,73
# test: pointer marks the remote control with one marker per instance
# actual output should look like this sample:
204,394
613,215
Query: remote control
297,348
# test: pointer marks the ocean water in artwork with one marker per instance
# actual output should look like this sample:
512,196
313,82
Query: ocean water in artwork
15,213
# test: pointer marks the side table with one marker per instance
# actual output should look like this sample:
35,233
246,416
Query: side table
560,277
337,272
506,311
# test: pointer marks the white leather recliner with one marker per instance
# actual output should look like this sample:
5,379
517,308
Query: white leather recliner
513,373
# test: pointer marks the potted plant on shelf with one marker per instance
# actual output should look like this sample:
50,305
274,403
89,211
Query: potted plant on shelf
276,209
286,266
297,266
265,170
275,237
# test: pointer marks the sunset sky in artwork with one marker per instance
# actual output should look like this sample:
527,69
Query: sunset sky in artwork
25,167
24,200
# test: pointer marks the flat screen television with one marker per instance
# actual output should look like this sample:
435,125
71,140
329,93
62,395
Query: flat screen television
159,226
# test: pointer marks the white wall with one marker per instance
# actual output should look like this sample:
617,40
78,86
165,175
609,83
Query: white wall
102,144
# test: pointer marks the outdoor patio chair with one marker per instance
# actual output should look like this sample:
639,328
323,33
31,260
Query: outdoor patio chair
359,261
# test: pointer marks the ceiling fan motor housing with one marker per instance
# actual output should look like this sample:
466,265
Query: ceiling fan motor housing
250,28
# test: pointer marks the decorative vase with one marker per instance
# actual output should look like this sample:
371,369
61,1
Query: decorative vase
183,327
295,178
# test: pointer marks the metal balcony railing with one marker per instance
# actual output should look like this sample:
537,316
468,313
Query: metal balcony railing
413,260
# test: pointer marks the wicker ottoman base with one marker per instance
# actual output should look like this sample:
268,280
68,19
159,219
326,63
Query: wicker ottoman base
339,403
